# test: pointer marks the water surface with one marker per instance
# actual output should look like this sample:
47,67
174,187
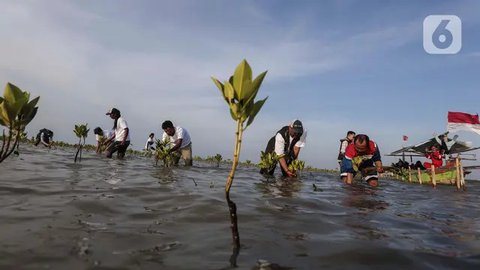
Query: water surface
129,214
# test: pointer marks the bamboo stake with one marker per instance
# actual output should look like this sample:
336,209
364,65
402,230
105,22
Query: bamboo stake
409,174
462,176
419,176
434,182
457,167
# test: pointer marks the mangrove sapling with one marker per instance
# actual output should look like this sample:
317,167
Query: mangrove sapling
239,92
81,131
163,153
267,160
218,158
296,166
103,143
16,111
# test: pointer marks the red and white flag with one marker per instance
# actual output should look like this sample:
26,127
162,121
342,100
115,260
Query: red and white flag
463,121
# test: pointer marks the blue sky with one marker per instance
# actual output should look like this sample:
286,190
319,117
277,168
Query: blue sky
335,65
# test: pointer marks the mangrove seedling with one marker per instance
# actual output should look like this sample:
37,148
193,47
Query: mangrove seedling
239,92
162,152
16,111
296,165
267,160
81,131
104,144
218,158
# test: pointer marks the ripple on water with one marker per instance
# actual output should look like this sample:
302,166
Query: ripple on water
130,214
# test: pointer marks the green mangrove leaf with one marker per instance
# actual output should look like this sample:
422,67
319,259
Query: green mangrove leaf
267,160
255,86
81,131
256,83
219,85
242,74
8,113
247,108
29,117
12,93
233,115
162,152
33,102
256,108
229,92
296,165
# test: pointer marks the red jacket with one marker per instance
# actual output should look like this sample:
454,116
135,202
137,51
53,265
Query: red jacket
436,158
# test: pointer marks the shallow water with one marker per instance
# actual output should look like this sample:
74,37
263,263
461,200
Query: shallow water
129,214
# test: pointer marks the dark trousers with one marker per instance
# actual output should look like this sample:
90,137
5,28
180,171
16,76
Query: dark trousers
117,147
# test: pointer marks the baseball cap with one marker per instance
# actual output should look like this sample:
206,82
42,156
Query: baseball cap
113,111
297,126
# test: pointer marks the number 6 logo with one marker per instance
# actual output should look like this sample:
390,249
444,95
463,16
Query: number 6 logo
442,34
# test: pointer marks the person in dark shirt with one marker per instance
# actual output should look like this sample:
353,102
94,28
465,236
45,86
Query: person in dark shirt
45,137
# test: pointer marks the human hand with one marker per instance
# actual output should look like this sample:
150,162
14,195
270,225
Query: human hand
380,169
291,174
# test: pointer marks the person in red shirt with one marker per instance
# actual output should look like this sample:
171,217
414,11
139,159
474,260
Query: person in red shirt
435,156
362,155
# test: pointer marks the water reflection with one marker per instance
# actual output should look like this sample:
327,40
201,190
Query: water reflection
166,218
366,203
164,174
283,187
363,198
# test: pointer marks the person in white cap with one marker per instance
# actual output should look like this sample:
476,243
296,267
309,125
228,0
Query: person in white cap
286,143
121,135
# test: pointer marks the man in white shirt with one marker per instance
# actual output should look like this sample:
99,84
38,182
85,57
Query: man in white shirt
102,136
180,141
150,144
121,136
286,144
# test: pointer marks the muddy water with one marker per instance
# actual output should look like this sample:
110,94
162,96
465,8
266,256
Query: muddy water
129,214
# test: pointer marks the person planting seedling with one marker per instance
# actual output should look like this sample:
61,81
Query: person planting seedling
163,153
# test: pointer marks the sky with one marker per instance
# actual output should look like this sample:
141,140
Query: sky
335,65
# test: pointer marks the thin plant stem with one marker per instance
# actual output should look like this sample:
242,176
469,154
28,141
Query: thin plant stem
78,149
8,151
231,205
3,143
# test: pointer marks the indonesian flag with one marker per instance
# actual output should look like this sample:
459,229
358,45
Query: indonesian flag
463,121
